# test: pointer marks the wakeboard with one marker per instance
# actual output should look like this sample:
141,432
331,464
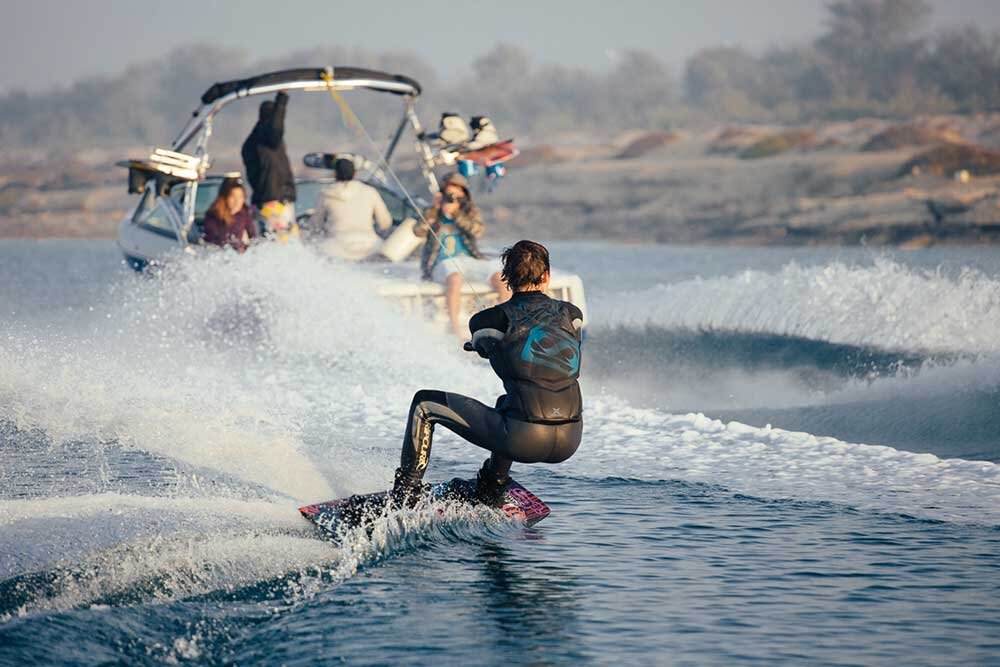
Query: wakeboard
334,515
493,154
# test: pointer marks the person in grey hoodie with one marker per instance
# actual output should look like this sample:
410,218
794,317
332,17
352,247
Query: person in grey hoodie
347,214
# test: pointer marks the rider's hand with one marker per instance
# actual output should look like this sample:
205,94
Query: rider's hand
484,346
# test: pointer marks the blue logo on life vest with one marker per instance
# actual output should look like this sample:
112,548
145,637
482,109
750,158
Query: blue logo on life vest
552,348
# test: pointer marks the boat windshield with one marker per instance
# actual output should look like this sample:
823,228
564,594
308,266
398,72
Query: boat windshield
306,193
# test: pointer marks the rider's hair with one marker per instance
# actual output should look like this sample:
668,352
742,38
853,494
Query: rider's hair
524,264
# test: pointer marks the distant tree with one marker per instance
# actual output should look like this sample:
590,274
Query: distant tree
791,76
872,45
502,77
964,65
641,89
873,58
711,73
504,65
561,97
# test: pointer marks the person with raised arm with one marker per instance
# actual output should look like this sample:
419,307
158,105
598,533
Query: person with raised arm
268,169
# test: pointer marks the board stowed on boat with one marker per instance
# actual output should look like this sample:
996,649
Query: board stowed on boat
345,513
488,156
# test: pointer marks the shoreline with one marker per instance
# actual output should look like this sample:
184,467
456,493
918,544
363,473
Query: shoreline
929,181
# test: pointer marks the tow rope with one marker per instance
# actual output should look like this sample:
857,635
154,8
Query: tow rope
353,122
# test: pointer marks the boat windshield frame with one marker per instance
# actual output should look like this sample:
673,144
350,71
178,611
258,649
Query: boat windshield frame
315,80
310,81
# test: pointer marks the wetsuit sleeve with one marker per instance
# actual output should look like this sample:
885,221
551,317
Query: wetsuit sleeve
273,131
488,328
576,315
491,318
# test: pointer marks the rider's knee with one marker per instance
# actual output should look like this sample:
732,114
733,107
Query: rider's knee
428,396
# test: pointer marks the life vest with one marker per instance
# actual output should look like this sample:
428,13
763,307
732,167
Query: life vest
538,360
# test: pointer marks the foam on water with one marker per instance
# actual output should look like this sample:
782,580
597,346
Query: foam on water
886,305
221,363
306,385
218,510
960,377
777,464
152,404
164,568
218,548
284,371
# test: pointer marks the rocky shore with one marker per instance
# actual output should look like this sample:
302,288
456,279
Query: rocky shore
931,180
926,181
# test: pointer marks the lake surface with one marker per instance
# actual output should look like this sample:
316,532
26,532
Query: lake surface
790,456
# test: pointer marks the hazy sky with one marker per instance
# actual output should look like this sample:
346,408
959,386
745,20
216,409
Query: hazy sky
49,43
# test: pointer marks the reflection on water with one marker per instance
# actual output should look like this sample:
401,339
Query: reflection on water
531,604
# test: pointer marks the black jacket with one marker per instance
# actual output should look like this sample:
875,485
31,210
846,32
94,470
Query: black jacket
266,159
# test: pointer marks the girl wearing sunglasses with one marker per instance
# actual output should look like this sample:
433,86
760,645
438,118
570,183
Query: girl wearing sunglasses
453,250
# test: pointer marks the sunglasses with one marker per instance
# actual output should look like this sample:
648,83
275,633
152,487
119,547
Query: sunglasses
449,198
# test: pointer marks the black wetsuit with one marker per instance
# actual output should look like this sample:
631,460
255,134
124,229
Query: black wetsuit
533,344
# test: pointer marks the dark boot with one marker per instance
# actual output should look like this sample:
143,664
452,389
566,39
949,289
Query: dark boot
406,489
490,485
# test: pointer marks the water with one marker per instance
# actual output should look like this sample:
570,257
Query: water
156,436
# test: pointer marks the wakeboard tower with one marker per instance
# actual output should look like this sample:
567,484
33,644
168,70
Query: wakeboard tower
333,516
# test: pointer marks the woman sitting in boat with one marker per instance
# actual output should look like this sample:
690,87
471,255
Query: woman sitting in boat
452,251
228,221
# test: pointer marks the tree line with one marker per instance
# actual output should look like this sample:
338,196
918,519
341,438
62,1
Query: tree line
873,58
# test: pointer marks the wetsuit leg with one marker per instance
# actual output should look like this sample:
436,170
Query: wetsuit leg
472,420
500,465
507,439
568,437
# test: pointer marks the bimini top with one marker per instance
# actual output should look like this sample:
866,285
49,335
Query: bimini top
315,79
352,77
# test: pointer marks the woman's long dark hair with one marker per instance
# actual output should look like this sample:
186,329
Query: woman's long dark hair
219,209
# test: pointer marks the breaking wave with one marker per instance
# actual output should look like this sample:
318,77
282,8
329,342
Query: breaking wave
884,306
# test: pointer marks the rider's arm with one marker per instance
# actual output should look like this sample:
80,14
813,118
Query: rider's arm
487,328
577,316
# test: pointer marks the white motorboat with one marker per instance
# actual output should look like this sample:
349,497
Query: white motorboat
175,186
